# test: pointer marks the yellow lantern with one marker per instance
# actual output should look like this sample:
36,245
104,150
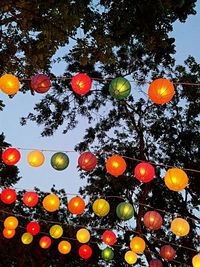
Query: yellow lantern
137,245
64,247
180,227
101,207
27,238
176,179
56,231
51,203
35,158
196,261
83,235
11,223
130,257
9,84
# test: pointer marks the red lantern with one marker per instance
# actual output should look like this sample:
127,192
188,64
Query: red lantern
8,196
81,83
156,263
45,242
11,156
85,251
153,220
109,238
167,253
76,205
40,83
144,172
33,228
30,199
87,161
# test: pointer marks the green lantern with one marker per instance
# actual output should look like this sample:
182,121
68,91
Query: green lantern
120,88
59,161
107,254
125,211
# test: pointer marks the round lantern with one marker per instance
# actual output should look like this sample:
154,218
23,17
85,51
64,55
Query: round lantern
51,203
76,205
130,257
83,235
137,245
144,172
107,254
153,220
81,83
45,242
120,88
101,207
64,247
109,238
59,161
176,179
196,261
180,227
40,83
35,158
87,161
85,251
33,228
30,199
9,84
8,233
116,165
8,196
11,223
125,211
27,238
167,253
155,263
161,91
11,156
56,231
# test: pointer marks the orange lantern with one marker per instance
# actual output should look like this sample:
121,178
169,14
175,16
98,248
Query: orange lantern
196,261
51,203
11,223
153,220
144,172
109,238
155,263
76,205
8,233
161,91
180,227
64,247
11,156
9,84
137,245
81,83
30,199
35,158
116,165
176,179
45,242
87,161
83,235
167,253
8,196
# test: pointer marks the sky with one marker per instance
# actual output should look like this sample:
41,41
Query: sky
187,37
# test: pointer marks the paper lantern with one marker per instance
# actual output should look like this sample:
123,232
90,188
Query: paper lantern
51,203
167,253
125,211
27,238
196,261
81,83
8,233
161,91
11,156
45,242
137,245
120,88
116,165
35,158
180,227
40,83
64,247
153,220
11,223
155,263
76,205
144,172
109,238
56,231
87,161
85,251
107,254
83,235
176,179
130,257
59,161
8,196
9,84
30,199
101,207
33,228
